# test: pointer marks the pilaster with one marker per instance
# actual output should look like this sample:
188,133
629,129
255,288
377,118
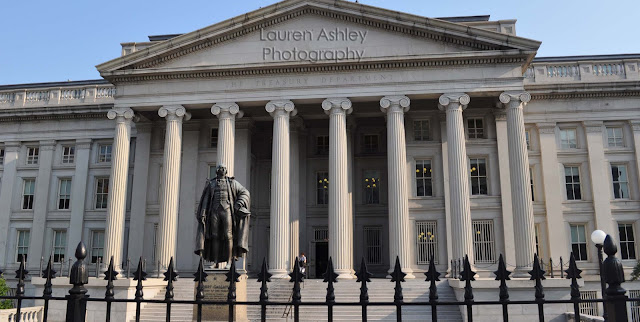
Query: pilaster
280,237
226,113
40,204
553,193
522,207
635,127
340,221
117,199
459,203
139,193
399,229
169,198
78,195
600,174
187,260
11,152
445,178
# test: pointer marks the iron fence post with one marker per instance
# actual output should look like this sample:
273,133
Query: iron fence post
616,300
77,298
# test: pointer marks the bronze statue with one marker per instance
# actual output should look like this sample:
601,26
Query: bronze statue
223,219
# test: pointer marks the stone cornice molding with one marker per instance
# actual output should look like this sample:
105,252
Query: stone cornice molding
593,126
500,114
546,127
459,99
83,144
281,107
121,114
600,94
174,113
635,125
337,105
395,103
12,146
226,110
515,99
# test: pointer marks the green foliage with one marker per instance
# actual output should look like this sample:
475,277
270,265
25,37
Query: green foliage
4,290
635,275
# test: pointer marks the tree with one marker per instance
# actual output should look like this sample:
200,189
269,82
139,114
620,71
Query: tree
635,275
4,290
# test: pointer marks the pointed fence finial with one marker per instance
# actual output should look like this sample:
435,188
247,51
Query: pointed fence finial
109,276
432,276
467,275
330,277
139,275
49,274
232,278
573,273
200,276
170,276
537,274
263,277
364,277
397,276
502,275
296,279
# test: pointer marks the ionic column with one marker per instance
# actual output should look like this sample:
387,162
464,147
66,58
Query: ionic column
279,232
226,113
117,199
399,230
461,229
522,208
11,153
168,229
340,223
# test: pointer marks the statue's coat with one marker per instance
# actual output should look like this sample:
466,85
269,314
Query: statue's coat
240,215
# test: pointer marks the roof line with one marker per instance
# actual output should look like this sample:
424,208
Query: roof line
56,84
585,57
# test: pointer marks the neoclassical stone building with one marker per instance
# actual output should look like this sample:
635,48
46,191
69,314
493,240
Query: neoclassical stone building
360,132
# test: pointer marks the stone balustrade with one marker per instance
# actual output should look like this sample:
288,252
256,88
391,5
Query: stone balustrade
546,70
27,314
57,96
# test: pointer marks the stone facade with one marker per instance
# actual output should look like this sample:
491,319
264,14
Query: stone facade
433,137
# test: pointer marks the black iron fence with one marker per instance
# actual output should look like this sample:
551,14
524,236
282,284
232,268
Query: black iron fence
615,299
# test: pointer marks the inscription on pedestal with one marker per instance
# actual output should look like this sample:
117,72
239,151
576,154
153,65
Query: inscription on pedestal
216,288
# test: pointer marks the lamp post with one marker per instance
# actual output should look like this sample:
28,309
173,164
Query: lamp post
598,237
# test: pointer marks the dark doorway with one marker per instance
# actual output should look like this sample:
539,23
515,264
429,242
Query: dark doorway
322,258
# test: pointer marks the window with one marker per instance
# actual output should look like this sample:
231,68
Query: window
22,245
29,186
615,137
322,196
627,241
568,139
213,138
370,143
68,154
212,171
97,245
423,178
589,308
533,190
421,130
572,182
104,153
483,242
426,242
475,128
373,245
102,192
1,156
635,305
32,155
322,144
371,187
620,183
527,136
59,245
64,194
579,242
478,176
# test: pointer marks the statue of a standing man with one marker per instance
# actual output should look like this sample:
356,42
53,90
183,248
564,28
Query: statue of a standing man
223,219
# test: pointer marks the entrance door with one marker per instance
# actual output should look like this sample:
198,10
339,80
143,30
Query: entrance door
322,258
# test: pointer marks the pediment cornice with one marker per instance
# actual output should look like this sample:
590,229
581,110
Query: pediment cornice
419,27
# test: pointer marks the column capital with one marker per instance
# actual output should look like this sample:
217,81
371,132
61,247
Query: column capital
174,112
515,99
226,109
399,103
461,100
593,126
121,114
280,107
337,105
635,125
546,127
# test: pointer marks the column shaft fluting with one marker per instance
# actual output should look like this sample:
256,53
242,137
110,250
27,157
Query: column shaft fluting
340,225
399,230
169,199
280,180
116,202
461,228
523,225
226,113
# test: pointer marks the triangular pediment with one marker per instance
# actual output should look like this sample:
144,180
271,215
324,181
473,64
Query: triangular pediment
315,31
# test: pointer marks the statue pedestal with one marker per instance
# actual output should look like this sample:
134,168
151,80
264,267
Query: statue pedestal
216,288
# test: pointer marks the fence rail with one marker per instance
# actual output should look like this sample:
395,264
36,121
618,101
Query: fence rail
615,300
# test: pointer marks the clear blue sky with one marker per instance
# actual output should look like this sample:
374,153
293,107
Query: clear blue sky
42,41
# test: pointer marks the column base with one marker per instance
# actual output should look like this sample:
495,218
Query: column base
279,273
522,272
408,271
345,274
